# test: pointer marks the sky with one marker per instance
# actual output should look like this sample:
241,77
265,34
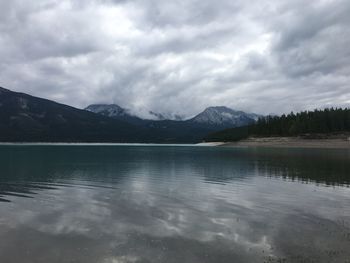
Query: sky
179,56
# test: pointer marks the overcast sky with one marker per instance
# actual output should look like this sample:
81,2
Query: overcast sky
181,55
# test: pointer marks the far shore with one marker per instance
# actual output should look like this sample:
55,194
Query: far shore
268,142
293,142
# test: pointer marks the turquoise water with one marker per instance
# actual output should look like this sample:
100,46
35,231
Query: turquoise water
135,203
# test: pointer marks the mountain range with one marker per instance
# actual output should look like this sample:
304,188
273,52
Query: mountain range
219,116
24,118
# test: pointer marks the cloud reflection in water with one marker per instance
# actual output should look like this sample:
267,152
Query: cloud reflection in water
169,204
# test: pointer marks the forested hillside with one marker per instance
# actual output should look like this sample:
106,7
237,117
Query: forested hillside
330,120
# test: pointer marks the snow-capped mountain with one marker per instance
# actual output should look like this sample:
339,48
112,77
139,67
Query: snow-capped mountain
223,116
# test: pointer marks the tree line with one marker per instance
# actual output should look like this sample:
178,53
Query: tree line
329,120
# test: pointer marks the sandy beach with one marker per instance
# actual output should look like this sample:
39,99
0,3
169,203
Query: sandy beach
296,142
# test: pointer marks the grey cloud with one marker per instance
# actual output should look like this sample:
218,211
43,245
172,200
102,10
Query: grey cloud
192,40
178,13
179,56
314,39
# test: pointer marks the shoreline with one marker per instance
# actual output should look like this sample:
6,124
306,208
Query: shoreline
289,142
267,142
90,144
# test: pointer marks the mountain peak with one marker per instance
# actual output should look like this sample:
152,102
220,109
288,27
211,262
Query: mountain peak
224,116
219,109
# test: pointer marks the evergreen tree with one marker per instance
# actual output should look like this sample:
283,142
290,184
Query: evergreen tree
330,120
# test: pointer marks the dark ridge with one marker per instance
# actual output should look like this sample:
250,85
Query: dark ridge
4,90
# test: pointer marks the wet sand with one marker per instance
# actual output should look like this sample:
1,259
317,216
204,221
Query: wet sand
290,142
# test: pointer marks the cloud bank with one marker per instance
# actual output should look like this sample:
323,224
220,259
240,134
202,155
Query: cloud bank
179,56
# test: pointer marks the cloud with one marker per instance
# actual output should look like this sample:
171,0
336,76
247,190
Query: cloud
180,57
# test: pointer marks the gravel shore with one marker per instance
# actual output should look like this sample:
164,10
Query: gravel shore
290,142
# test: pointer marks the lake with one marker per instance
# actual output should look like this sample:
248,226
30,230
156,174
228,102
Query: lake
135,203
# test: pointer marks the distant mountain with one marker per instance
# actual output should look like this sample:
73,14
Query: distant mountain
214,117
210,120
24,118
221,116
114,111
169,130
27,118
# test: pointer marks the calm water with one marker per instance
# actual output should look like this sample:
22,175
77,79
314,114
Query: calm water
112,204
